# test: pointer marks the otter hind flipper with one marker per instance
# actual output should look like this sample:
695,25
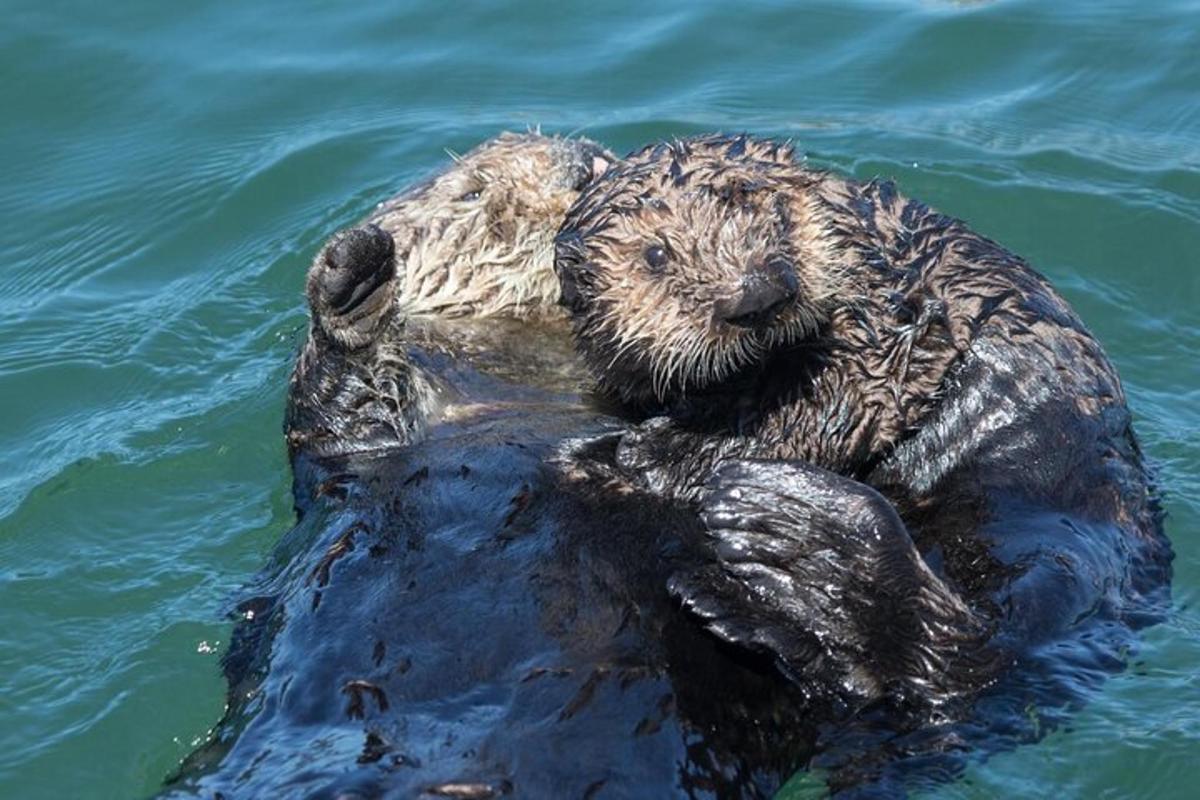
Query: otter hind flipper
820,571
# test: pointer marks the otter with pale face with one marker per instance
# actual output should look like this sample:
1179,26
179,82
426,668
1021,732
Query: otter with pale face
914,463
476,240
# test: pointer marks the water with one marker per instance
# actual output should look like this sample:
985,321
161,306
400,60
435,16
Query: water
169,169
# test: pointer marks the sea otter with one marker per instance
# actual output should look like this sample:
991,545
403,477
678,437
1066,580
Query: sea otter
473,241
915,465
472,603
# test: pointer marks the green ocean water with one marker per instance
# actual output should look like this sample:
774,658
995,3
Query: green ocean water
167,171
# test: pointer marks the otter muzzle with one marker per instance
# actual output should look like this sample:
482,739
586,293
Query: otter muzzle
764,292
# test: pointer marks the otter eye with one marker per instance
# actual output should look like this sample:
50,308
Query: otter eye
656,257
471,196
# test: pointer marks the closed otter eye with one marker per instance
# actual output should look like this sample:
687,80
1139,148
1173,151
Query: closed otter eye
656,257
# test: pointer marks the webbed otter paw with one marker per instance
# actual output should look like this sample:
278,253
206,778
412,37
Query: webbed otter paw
819,571
349,284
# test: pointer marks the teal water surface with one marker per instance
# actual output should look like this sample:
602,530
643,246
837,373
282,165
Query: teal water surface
169,169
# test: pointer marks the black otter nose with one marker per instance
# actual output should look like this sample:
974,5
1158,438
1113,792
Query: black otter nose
764,293
358,263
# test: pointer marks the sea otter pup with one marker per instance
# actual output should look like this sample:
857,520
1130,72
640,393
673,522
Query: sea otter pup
470,606
915,464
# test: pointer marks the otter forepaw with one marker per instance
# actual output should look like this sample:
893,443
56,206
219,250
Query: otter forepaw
731,610
349,285
819,571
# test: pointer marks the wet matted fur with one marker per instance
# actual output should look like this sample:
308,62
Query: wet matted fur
915,463
477,239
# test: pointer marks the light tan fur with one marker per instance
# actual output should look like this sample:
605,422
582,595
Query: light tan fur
473,241
477,239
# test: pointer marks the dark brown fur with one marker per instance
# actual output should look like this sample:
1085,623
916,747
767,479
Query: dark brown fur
472,602
927,368
892,295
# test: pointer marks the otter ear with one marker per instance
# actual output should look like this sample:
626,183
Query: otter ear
569,262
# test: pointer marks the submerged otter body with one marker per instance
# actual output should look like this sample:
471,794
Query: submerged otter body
916,465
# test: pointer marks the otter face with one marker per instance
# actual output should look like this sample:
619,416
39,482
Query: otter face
478,238
688,262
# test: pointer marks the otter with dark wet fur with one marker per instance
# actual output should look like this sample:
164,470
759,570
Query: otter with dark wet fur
914,462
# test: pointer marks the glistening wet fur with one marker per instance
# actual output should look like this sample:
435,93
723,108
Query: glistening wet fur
478,239
894,428
641,318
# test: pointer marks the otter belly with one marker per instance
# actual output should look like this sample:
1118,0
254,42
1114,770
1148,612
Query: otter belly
459,616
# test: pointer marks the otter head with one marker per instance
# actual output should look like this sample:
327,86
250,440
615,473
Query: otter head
478,238
690,261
